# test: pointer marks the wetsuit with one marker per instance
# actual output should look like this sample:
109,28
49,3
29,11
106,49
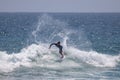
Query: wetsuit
59,46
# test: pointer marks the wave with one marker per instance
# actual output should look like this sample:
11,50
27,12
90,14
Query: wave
40,55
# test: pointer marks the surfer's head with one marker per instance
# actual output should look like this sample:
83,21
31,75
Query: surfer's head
58,42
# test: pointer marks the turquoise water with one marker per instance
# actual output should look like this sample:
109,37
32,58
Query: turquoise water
91,44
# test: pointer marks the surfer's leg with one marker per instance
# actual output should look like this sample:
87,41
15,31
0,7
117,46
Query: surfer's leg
61,54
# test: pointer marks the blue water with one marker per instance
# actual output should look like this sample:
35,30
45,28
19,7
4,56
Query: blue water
91,43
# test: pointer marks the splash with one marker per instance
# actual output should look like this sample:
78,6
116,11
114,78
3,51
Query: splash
50,30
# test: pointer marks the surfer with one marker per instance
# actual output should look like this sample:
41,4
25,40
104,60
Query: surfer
59,46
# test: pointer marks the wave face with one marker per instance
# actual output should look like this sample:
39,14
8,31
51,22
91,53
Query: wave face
82,40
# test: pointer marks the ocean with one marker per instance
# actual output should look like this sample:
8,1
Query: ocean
91,45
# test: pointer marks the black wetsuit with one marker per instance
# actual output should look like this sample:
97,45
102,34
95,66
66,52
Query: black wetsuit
57,45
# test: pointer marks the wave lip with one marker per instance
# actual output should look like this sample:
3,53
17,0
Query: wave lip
95,59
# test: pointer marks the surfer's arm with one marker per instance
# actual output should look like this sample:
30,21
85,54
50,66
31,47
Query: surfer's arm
51,45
